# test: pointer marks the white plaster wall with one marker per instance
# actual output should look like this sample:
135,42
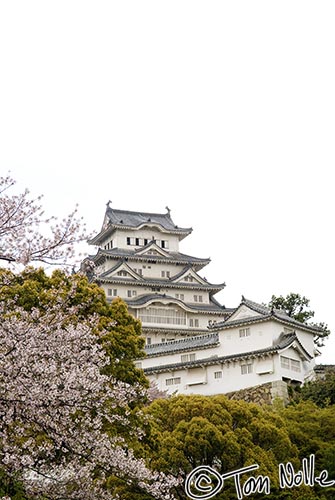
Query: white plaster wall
120,238
261,336
307,340
206,384
243,312
154,270
176,357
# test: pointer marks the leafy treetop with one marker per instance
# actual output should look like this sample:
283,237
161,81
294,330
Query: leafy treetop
297,307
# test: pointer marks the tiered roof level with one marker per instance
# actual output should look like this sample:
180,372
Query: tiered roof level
138,259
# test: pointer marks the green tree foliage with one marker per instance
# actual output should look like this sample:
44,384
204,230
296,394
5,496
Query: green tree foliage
321,391
297,307
119,333
122,340
189,431
184,432
312,430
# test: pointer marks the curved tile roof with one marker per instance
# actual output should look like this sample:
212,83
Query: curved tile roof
143,300
172,257
132,219
284,342
185,344
264,313
127,219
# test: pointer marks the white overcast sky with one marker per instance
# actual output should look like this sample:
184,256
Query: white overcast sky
222,110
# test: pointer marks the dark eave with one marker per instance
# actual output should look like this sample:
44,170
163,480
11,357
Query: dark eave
133,255
145,300
129,220
223,325
182,345
264,313
186,332
159,283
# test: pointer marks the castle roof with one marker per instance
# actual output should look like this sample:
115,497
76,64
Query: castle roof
185,344
285,341
146,300
138,255
199,283
127,220
251,312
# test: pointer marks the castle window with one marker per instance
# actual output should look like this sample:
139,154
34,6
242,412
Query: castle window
295,365
290,364
218,374
172,381
109,245
160,315
112,292
246,368
244,332
122,273
194,322
187,357
180,296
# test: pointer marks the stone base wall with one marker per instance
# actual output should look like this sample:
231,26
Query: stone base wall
263,394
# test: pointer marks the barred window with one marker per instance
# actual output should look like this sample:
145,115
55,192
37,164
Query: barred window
187,357
290,364
246,368
194,322
244,332
172,381
162,315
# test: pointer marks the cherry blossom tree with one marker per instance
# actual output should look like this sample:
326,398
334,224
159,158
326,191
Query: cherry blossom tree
27,235
56,406
64,407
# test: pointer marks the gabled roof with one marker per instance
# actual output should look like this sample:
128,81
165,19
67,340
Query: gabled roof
138,255
157,284
152,247
189,271
111,274
127,220
199,284
185,344
284,342
252,312
143,301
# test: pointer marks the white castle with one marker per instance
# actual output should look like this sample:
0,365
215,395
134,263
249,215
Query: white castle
194,345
